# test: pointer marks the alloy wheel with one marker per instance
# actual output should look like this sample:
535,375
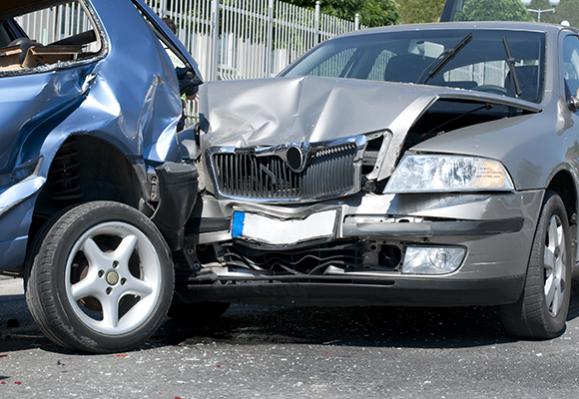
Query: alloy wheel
555,258
113,278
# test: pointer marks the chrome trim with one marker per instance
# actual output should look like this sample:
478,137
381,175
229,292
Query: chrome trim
304,158
19,192
281,151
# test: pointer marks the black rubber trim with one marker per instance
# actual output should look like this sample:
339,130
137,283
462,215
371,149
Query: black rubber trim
448,11
210,225
178,193
82,39
363,291
432,229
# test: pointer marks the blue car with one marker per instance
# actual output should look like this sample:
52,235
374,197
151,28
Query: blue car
93,193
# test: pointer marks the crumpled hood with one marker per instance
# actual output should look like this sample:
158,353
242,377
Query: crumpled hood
313,109
307,109
278,111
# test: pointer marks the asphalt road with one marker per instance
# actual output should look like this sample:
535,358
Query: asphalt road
284,352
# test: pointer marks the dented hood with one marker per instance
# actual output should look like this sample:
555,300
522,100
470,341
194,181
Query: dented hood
312,109
279,111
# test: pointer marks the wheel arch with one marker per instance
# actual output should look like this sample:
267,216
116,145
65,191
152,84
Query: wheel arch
563,183
87,168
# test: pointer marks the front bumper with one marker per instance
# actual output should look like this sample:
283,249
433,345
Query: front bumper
497,231
177,191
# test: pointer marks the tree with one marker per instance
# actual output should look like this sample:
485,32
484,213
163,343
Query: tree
420,11
493,10
372,12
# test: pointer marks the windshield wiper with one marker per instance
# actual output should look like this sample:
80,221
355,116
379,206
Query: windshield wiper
444,59
512,68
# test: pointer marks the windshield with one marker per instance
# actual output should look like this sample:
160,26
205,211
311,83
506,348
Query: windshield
472,60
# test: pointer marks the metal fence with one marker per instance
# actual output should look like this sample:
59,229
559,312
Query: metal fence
243,39
53,24
231,39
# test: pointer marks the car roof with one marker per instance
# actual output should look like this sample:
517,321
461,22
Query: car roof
485,25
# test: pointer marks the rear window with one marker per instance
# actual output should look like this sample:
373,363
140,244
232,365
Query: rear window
55,36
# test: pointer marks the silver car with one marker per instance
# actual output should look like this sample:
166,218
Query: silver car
430,165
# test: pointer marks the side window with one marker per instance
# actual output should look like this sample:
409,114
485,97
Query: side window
378,71
60,34
336,65
571,64
481,74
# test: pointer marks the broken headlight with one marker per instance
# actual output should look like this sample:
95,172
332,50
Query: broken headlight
448,173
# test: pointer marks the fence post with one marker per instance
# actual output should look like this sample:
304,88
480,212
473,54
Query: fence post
357,22
318,21
214,58
269,44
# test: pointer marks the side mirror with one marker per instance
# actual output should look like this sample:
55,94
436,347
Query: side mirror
574,102
188,82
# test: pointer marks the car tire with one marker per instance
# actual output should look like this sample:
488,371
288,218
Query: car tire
102,280
541,312
36,243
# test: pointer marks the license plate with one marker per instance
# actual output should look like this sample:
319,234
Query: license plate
274,231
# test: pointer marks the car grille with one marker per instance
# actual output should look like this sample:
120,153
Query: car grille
330,172
347,255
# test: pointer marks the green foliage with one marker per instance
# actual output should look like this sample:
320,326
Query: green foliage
493,10
420,11
372,12
379,12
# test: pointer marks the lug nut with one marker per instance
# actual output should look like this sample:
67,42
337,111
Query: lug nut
123,281
109,290
101,273
115,264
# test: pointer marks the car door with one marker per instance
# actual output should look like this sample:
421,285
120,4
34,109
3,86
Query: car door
32,98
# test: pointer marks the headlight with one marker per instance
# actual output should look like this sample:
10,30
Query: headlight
444,173
432,260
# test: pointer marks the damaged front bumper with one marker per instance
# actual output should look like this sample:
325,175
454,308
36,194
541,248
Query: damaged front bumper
360,259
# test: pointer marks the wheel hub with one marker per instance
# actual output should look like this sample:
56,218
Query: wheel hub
112,277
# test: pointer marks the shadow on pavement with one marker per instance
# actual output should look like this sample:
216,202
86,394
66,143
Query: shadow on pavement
255,325
369,327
